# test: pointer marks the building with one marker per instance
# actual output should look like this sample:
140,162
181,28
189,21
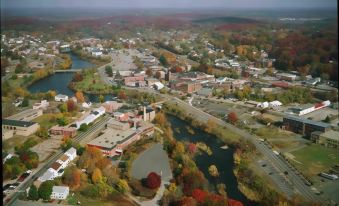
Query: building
304,126
158,86
309,109
186,86
114,124
64,131
27,115
111,106
19,127
148,114
121,116
64,160
286,76
50,174
61,98
41,105
71,153
59,192
94,114
135,81
113,141
330,139
86,104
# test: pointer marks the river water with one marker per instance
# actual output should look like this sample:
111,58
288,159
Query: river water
221,158
59,81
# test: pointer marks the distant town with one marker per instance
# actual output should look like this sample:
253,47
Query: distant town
183,114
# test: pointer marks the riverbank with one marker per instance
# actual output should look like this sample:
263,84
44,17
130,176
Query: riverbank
253,185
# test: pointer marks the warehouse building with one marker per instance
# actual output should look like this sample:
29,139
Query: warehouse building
304,126
19,127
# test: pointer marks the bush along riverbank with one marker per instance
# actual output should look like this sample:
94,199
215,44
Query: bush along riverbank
189,186
253,186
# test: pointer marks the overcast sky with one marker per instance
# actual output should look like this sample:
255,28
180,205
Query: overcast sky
170,3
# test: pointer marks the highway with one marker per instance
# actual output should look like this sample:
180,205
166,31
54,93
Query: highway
276,161
96,127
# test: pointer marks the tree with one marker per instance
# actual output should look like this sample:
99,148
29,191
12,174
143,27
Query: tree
25,102
80,96
149,72
42,132
83,127
72,177
71,106
62,121
232,117
163,60
210,125
78,77
63,107
96,176
33,193
101,98
122,95
45,189
160,119
153,180
158,74
109,71
199,195
103,163
122,186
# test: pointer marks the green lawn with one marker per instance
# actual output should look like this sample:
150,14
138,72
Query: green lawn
91,82
315,159
272,132
113,201
44,120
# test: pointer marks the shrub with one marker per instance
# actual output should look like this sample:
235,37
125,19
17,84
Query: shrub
153,180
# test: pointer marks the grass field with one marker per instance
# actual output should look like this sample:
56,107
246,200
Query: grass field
272,132
91,83
44,120
113,201
315,159
16,140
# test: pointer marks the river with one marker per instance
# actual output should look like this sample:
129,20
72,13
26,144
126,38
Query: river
221,158
59,81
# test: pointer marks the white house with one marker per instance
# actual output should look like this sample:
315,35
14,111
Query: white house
96,53
61,98
86,104
50,174
275,104
64,161
59,192
9,156
158,85
263,105
71,153
41,105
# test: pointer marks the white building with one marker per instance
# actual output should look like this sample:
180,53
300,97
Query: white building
50,174
91,117
275,104
59,192
61,98
263,105
158,85
71,153
86,104
41,105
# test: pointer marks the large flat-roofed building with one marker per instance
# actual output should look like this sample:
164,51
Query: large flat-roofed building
114,124
304,126
19,127
64,131
330,139
27,115
113,141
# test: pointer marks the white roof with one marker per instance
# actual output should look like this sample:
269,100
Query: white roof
46,176
61,96
60,189
71,151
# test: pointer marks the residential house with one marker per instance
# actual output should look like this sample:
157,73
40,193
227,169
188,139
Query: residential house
59,192
61,98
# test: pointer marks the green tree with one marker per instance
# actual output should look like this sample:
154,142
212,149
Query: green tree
33,193
101,98
45,189
109,70
83,127
25,102
62,121
122,186
163,60
63,107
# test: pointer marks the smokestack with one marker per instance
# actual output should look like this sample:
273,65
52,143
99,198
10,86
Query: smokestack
144,113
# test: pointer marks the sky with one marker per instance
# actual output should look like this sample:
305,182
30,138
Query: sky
169,3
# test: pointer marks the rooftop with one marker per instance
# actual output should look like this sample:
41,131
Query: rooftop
334,135
60,189
307,121
112,137
17,123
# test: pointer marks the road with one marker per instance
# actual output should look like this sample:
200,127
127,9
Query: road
97,126
275,161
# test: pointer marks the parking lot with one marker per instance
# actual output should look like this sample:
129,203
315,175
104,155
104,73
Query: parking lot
47,147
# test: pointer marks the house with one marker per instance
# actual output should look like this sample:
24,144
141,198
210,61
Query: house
50,174
41,105
64,160
135,81
7,157
304,126
61,98
19,127
65,48
71,153
275,104
86,104
59,192
158,86
263,105
96,52
64,131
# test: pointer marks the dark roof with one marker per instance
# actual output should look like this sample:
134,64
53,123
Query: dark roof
17,123
308,121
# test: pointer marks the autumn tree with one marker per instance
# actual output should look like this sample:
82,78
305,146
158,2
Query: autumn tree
103,163
71,106
160,119
96,176
80,96
149,72
199,195
78,77
72,177
210,125
122,95
232,117
153,180
158,75
122,186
